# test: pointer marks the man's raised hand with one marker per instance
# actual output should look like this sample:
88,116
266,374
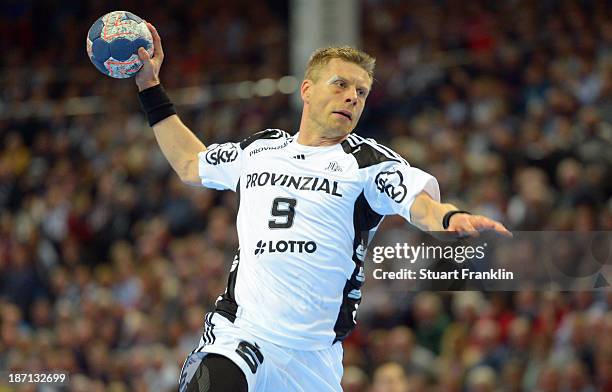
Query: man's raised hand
466,225
148,76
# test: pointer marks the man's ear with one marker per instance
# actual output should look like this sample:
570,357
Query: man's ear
305,90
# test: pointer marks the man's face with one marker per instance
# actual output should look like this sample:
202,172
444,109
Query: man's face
335,101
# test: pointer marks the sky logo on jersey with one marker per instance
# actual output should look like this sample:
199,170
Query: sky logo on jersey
283,246
392,183
222,153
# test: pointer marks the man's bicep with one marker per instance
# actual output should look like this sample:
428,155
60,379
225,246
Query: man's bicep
392,188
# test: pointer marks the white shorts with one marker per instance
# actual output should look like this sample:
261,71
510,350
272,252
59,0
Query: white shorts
266,366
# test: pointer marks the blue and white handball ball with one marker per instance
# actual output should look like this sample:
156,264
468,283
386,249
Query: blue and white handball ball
113,41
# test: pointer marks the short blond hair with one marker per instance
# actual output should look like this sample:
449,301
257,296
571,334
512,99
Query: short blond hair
322,56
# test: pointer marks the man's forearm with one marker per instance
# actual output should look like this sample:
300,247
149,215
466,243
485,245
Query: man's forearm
427,214
178,144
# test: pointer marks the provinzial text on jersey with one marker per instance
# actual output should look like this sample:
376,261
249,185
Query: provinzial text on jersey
268,148
301,183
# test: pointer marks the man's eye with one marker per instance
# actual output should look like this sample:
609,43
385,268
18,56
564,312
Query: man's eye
361,93
341,83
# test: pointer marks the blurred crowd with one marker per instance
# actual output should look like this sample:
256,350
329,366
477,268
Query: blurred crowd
108,262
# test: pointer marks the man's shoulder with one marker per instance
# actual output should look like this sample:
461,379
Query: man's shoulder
368,152
266,134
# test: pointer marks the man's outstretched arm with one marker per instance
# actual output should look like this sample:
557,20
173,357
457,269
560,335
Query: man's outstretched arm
178,144
429,215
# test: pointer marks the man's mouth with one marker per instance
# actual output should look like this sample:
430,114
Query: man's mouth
344,113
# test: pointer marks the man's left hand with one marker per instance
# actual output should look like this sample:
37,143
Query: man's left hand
466,225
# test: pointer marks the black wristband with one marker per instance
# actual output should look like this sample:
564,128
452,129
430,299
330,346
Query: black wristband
156,104
448,215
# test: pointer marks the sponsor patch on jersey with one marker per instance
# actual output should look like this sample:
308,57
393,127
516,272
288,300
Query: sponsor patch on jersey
221,153
300,183
333,166
269,148
392,183
283,246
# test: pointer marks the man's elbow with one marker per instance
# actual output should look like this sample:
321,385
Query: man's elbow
420,210
188,173
191,181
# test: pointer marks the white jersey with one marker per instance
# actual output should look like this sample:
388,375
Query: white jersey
306,215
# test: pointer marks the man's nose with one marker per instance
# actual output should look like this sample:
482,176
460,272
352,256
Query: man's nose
351,97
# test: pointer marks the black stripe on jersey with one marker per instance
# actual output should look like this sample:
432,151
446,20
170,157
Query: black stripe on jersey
209,336
265,134
369,153
385,150
226,305
365,219
238,194
345,323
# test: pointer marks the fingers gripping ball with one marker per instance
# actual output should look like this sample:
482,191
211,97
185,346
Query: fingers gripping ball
113,41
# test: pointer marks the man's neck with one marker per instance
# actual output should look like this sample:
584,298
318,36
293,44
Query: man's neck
306,139
309,137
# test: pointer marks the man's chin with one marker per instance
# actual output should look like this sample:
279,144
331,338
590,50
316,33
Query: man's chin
342,129
341,132
337,130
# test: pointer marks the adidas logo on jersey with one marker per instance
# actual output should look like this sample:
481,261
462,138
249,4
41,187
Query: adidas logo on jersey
299,156
283,246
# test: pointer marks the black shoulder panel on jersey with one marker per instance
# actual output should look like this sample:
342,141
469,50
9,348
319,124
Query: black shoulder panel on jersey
265,134
368,153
